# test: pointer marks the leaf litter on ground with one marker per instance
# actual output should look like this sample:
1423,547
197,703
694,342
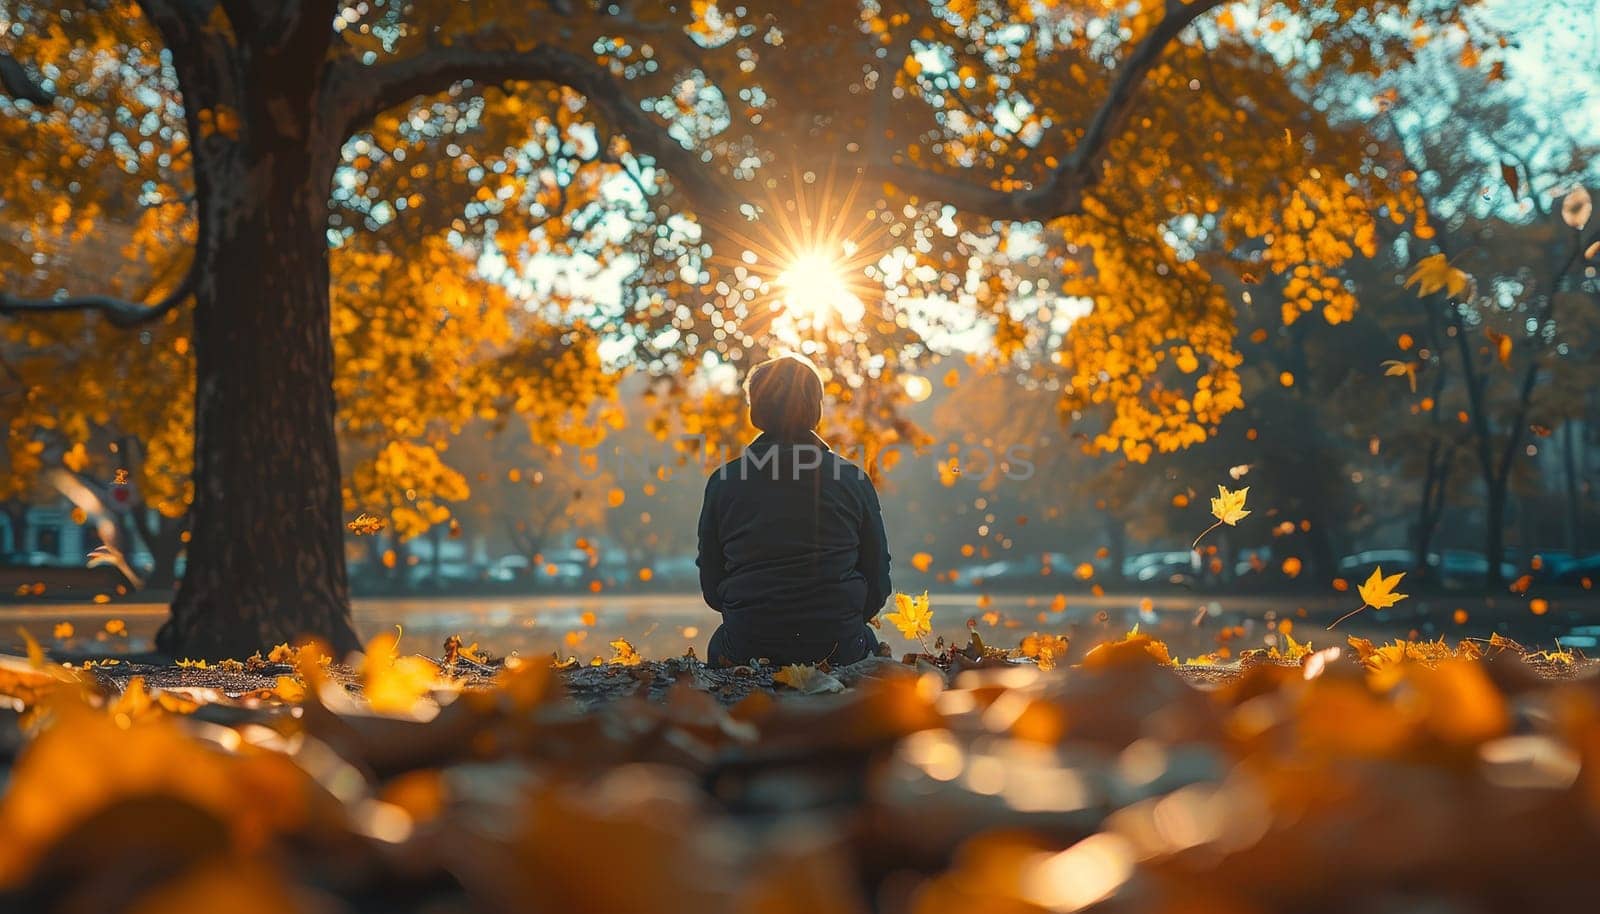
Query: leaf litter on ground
957,778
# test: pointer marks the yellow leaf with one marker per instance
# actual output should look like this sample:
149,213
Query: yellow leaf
623,653
394,684
35,652
1228,507
911,616
1378,591
1434,274
365,524
1393,368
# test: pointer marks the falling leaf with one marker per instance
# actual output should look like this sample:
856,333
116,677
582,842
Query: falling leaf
1538,606
911,615
922,561
1378,591
365,524
807,680
1228,507
1434,274
1502,345
1393,368
1576,207
63,631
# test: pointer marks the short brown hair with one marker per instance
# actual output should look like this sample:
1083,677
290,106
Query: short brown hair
785,396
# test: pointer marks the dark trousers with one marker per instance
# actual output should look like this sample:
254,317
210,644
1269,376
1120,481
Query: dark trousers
726,650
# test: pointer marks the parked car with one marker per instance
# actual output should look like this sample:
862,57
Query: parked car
675,569
1456,566
1574,572
1359,566
1151,567
509,568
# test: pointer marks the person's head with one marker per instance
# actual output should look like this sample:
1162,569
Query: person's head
785,397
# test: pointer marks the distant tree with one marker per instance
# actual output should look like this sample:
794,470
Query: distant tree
1503,287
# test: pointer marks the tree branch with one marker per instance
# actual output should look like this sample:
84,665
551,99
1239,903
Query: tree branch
1062,193
16,81
357,94
119,312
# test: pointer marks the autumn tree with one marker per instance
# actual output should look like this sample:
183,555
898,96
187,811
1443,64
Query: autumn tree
1133,130
1501,286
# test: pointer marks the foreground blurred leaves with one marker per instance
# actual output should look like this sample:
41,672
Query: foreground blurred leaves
1408,776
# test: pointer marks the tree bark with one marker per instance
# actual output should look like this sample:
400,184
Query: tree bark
1495,535
1572,526
266,555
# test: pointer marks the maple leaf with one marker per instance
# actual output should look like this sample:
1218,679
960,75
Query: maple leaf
1434,274
807,679
1228,507
1377,593
911,616
1394,368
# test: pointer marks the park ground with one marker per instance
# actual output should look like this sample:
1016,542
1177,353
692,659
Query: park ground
996,771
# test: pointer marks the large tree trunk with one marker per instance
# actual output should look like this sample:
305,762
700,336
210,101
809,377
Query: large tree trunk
266,556
1572,521
1494,534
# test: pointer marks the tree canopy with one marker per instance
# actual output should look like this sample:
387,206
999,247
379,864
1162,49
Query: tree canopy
1078,181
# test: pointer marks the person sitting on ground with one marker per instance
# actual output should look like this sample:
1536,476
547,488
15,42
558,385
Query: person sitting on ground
792,546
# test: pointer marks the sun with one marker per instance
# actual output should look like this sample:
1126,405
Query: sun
813,290
798,268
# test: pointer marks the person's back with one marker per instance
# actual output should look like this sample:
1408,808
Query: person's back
792,548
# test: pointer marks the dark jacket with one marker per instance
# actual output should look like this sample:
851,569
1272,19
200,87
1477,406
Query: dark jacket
792,548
